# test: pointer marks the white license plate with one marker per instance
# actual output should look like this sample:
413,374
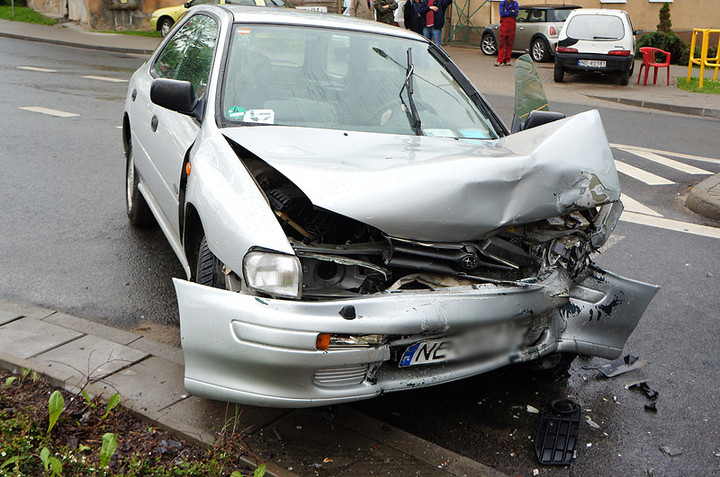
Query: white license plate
497,338
592,63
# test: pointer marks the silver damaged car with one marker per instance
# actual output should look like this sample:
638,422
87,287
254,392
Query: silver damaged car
354,219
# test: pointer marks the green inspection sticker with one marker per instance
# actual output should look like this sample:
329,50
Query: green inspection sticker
236,112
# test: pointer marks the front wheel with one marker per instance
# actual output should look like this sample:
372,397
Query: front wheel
559,74
540,50
138,211
209,270
165,26
488,44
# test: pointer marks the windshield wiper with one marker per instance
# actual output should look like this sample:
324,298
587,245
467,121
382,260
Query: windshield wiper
409,82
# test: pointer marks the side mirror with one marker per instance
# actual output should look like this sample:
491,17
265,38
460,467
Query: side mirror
187,4
538,118
174,95
638,32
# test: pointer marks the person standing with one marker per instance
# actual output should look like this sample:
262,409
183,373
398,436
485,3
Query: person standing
362,9
508,13
413,21
433,17
385,11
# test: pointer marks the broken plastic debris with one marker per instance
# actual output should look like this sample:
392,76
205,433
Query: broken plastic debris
327,460
671,451
643,387
536,472
651,406
558,431
591,423
622,365
532,410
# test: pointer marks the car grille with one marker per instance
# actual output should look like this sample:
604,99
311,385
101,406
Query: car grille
338,377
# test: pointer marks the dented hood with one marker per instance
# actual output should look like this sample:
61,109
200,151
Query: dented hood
443,189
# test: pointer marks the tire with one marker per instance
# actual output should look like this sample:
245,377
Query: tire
624,77
559,74
488,45
138,211
540,50
553,367
209,269
165,25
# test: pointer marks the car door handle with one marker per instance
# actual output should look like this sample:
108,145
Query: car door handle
154,123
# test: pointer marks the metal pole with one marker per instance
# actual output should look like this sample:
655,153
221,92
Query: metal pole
12,3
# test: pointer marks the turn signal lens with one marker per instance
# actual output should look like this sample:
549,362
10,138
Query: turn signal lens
553,31
619,52
187,168
322,342
565,49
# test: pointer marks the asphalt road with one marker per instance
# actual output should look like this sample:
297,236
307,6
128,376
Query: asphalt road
66,244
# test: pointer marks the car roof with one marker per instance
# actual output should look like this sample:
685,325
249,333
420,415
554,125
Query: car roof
600,11
298,17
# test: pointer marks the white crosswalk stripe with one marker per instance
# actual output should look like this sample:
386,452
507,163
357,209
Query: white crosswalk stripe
35,68
669,224
632,205
105,78
710,160
640,174
652,156
48,111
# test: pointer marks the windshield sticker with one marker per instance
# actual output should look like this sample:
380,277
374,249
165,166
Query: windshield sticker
439,132
235,113
260,116
474,133
242,31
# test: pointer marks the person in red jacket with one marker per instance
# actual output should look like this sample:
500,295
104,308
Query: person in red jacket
508,13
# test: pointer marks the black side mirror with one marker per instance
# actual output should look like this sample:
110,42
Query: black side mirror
174,95
188,4
638,32
538,118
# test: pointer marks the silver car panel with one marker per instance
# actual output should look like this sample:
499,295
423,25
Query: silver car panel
474,187
262,351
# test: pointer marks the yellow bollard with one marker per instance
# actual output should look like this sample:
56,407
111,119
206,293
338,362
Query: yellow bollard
703,61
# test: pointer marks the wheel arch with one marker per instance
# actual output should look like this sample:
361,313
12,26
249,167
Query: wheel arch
126,135
193,233
162,19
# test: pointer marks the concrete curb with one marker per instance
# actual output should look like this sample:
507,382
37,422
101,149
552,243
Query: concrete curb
138,51
704,198
673,108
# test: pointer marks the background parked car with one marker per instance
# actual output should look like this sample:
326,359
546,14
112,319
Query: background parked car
536,31
600,41
163,19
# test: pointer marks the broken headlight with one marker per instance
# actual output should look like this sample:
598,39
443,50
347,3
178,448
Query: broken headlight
273,273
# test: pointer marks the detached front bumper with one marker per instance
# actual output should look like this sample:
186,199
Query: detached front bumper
263,351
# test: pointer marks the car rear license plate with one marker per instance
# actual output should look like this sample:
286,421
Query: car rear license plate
592,63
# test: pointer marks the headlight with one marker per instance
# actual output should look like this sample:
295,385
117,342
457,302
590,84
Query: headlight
273,273
605,222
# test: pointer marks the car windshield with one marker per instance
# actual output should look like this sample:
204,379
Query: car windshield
338,79
595,27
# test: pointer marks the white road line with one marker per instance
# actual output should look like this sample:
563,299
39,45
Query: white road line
651,156
641,175
35,68
676,154
51,112
670,224
631,205
105,78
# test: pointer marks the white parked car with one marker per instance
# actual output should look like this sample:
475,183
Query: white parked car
353,218
594,40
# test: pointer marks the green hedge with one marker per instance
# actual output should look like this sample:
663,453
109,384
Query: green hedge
18,3
679,50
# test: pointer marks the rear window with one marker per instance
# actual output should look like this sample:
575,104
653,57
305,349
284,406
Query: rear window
560,15
595,27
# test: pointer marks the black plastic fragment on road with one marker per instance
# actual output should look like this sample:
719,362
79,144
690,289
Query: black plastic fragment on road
621,366
558,432
651,406
644,387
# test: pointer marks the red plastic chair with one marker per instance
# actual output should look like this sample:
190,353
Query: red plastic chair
650,61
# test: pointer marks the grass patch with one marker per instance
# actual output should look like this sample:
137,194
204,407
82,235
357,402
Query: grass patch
152,34
709,86
24,14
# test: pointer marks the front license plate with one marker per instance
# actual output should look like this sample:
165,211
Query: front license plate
427,352
592,63
491,339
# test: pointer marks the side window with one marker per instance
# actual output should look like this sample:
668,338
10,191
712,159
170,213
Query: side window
537,16
189,53
522,15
